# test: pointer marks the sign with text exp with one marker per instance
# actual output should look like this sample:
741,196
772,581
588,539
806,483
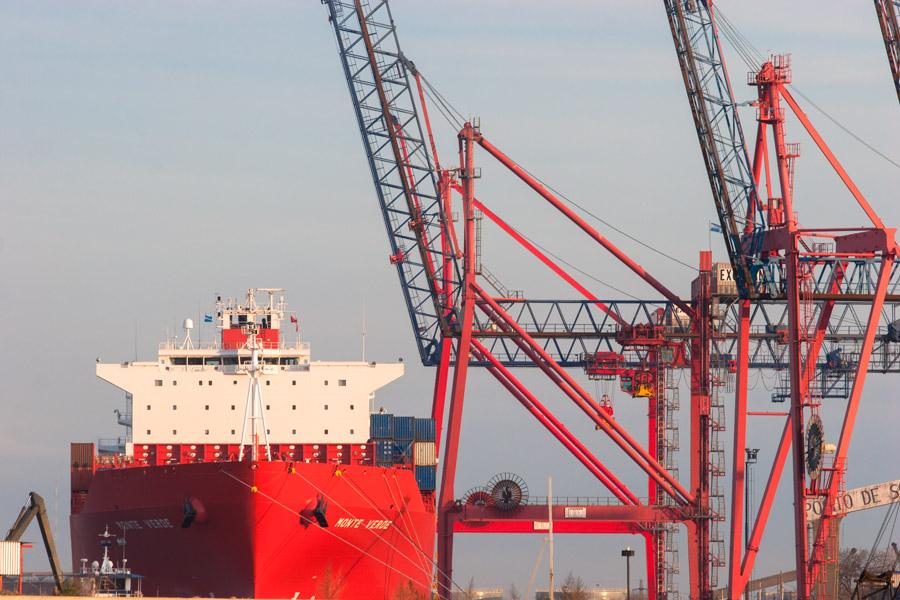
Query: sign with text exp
871,496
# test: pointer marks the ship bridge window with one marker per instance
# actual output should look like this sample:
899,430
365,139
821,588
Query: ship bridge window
271,360
195,360
213,360
230,360
179,360
289,360
342,382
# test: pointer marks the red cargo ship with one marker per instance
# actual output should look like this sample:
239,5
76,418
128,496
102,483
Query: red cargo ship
249,470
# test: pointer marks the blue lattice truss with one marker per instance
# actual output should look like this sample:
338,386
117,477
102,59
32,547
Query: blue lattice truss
398,202
720,134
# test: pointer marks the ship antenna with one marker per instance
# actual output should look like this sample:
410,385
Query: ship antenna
253,410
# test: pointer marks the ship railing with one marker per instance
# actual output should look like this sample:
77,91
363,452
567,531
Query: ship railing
176,344
111,445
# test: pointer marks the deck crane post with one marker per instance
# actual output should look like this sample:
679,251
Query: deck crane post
888,12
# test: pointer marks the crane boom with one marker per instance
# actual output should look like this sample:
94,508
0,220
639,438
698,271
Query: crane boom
721,136
888,12
399,160
37,508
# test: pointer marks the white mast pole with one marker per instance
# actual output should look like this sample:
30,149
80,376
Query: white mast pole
257,413
254,396
246,417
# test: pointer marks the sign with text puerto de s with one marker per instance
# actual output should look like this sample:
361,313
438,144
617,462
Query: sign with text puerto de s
871,496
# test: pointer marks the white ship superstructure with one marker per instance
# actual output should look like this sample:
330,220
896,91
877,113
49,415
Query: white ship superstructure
198,394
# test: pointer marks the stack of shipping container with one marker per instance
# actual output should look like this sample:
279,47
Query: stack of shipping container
406,441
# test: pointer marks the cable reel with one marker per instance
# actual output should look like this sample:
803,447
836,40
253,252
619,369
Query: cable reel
508,491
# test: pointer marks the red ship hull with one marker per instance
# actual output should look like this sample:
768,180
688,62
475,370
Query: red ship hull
248,537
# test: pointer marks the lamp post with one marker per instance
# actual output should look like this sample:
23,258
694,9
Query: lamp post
628,553
749,461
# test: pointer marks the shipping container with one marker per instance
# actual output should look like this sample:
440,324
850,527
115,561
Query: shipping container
10,558
403,452
425,430
404,428
426,478
82,455
384,451
424,454
381,426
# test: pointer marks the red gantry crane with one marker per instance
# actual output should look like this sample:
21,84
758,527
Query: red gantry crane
807,302
786,261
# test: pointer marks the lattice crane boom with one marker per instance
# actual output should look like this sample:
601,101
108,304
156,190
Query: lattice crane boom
399,160
720,134
888,12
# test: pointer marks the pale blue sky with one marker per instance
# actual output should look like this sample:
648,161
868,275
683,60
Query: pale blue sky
154,153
